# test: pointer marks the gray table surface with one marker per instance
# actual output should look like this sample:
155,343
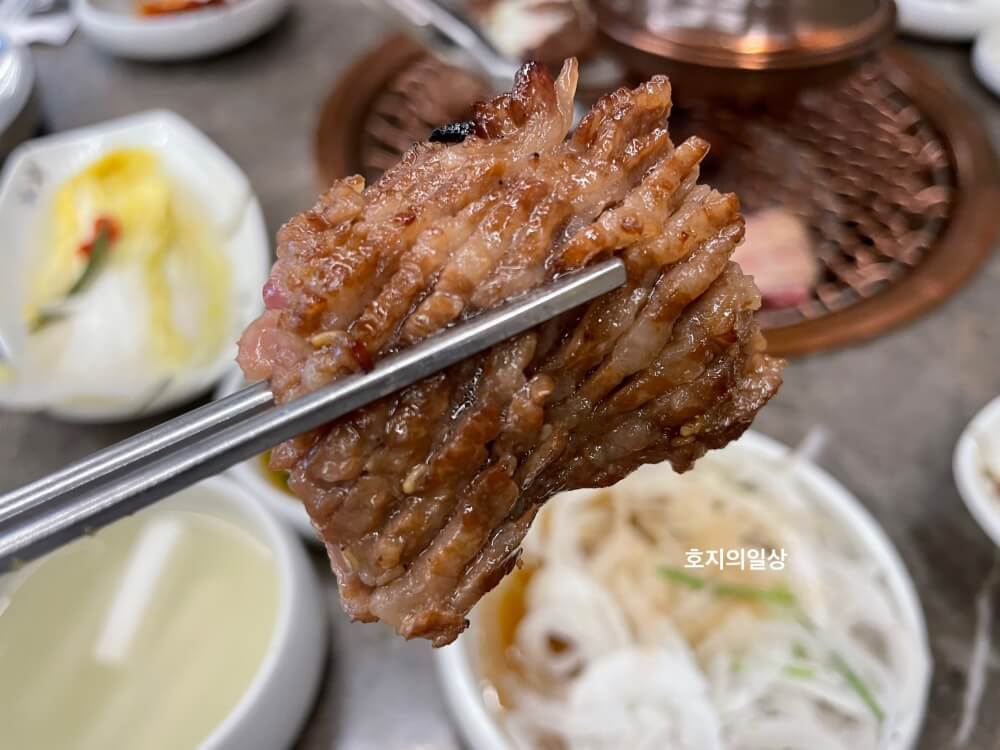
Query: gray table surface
895,406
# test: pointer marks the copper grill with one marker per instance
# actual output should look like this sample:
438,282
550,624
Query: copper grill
858,163
891,173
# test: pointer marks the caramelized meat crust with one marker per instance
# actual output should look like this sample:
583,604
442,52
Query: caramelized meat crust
423,498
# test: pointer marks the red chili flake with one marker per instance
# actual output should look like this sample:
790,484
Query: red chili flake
103,225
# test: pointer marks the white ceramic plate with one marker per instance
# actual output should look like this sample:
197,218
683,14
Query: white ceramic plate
986,58
456,663
979,443
251,475
947,20
36,169
114,26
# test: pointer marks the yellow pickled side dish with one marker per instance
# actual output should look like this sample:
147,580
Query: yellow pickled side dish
161,241
144,636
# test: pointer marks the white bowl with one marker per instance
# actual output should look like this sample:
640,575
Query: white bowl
18,110
36,169
463,686
986,58
947,20
251,475
980,495
281,690
114,26
275,705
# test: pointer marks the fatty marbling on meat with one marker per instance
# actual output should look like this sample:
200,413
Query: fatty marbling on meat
423,498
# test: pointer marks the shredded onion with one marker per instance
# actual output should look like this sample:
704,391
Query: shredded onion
612,653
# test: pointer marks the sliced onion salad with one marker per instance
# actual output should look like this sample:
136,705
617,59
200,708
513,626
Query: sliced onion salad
620,644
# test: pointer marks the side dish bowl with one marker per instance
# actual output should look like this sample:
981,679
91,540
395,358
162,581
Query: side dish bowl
986,57
196,623
753,455
115,27
278,700
946,20
18,103
976,466
31,177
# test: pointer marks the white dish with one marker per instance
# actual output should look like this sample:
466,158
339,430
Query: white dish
35,170
280,687
986,58
278,700
18,116
114,26
463,686
250,474
947,20
980,495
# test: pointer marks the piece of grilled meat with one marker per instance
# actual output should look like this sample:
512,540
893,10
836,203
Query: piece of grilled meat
423,498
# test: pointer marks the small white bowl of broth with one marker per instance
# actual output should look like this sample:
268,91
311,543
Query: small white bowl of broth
265,484
194,625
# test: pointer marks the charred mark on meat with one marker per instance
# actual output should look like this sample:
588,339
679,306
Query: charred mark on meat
454,132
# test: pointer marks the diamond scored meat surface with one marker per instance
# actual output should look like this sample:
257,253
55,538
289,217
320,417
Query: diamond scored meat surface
423,498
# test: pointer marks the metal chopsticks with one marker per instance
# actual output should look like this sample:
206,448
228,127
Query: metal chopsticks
120,455
135,473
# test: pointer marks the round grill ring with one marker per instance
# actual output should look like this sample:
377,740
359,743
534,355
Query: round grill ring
893,175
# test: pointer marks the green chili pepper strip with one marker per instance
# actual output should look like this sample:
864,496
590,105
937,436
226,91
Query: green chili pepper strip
800,671
857,685
95,260
782,597
779,595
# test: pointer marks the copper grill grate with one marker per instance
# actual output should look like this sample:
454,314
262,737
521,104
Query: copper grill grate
858,163
878,181
423,96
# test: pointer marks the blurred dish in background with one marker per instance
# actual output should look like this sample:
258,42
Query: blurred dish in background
491,38
265,484
163,7
548,31
609,638
551,31
116,27
745,51
947,20
976,466
195,625
986,57
18,104
35,22
137,252
122,249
